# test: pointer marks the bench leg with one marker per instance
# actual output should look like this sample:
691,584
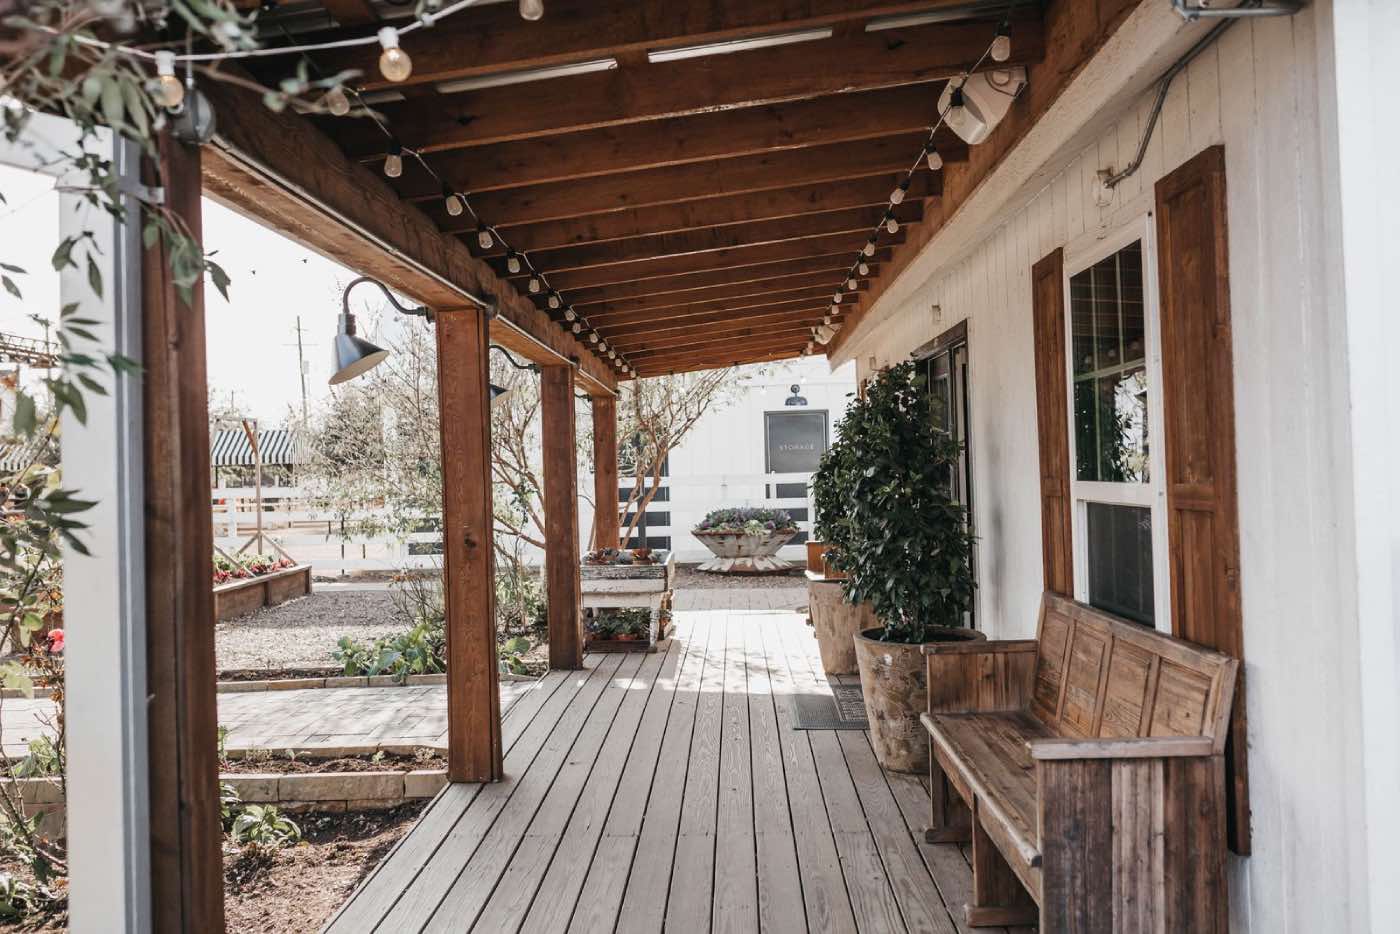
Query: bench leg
998,898
950,820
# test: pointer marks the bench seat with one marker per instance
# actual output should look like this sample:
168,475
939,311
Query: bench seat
1086,768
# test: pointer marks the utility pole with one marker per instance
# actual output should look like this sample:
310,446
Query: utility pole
301,368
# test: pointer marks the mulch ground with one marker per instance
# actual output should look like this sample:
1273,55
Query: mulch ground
284,766
297,889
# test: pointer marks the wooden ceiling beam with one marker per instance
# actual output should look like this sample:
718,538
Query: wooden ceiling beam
637,349
717,324
724,134
699,242
493,39
745,296
351,12
799,201
837,245
801,71
689,282
645,322
696,364
761,339
677,183
281,171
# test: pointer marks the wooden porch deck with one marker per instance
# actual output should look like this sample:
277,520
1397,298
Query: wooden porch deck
669,791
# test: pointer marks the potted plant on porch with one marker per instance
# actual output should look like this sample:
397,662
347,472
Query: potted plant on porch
906,548
745,541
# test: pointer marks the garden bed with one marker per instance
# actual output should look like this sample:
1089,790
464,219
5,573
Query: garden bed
298,888
242,596
380,762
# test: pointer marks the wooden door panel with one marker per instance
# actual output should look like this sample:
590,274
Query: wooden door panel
1052,421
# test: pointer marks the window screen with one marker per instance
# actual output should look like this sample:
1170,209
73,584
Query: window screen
1120,560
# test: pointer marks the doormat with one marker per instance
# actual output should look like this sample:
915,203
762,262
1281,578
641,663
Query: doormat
843,708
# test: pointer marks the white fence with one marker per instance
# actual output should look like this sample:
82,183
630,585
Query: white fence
317,536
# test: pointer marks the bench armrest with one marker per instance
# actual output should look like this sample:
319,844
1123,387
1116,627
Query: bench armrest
979,647
1147,747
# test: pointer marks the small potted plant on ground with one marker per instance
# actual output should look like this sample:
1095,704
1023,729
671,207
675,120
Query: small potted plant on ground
745,541
906,547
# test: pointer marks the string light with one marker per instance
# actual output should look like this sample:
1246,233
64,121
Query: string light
337,102
531,10
512,262
570,314
1001,45
863,268
576,327
935,161
534,285
897,196
554,300
891,224
836,299
852,284
483,237
169,91
835,309
394,63
454,203
393,162
869,248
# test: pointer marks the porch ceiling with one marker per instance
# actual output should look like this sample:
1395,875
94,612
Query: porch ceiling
693,212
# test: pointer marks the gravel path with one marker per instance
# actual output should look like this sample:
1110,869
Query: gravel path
302,633
688,578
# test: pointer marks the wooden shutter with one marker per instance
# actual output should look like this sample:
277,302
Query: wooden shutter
1052,421
1198,396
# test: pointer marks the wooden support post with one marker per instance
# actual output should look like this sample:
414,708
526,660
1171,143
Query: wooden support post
473,697
561,558
605,517
186,862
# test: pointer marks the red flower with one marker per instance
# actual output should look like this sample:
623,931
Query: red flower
55,641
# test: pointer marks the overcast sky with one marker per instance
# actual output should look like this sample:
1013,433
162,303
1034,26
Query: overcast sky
252,337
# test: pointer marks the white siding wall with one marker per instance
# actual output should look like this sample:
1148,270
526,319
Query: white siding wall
1261,91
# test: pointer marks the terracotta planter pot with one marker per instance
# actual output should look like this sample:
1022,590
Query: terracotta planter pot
835,624
742,553
894,681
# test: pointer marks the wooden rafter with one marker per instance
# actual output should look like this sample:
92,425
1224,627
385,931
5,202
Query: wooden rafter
637,325
493,39
736,329
627,313
757,340
689,282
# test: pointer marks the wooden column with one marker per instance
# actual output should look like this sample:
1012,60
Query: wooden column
186,864
605,518
561,559
473,698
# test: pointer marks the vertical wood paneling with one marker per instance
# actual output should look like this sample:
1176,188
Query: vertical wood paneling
1129,138
1203,95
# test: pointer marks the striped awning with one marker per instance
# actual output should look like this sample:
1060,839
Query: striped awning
230,448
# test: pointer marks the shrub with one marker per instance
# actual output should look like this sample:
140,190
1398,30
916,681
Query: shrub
263,825
902,540
43,760
753,521
420,650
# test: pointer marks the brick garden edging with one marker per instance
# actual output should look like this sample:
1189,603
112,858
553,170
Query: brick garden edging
336,791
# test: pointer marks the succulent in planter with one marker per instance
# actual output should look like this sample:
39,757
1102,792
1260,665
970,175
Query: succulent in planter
746,520
746,540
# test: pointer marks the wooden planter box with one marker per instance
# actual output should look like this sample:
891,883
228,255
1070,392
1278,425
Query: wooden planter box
624,586
241,597
654,636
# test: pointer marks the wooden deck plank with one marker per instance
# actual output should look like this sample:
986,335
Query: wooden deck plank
546,793
643,905
823,884
688,901
375,896
872,899
780,904
571,835
735,903
425,891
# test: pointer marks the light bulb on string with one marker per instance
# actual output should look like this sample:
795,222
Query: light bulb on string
169,91
337,102
612,354
483,237
897,196
863,268
554,301
891,224
394,63
836,299
454,203
570,314
835,309
393,162
1001,45
576,327
534,285
956,110
593,337
852,284
869,248
935,161
512,262
531,10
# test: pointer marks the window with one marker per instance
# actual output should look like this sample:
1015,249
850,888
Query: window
1114,366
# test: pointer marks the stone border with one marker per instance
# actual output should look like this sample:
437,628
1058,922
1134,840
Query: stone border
336,791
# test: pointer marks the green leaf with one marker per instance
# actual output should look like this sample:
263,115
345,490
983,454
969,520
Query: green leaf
94,276
26,415
220,278
63,255
10,267
10,286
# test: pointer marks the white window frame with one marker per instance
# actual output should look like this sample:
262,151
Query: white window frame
1153,494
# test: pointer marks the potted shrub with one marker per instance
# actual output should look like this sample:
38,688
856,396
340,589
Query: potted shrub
906,548
745,541
835,620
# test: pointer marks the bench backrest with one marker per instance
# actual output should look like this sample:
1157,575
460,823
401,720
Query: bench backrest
1099,676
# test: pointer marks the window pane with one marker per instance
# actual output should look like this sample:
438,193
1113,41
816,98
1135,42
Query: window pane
1120,560
1110,379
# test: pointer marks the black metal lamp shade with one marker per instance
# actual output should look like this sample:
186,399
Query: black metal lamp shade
353,355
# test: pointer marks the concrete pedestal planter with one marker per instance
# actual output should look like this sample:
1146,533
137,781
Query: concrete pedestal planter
893,678
745,552
835,623
244,595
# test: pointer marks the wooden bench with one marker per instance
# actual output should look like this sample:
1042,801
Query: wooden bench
1086,767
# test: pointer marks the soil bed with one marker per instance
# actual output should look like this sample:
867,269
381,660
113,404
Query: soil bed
297,889
278,674
689,578
283,766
